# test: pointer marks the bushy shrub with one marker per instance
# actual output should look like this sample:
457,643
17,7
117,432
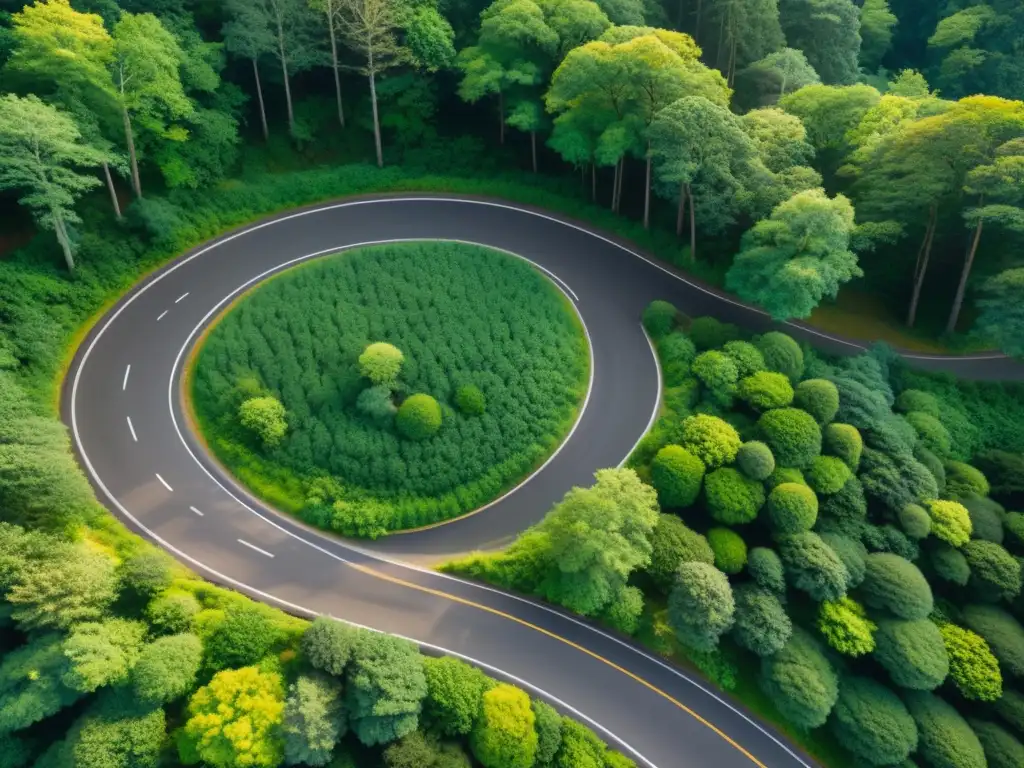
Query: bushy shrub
895,480
972,667
1010,707
244,637
328,644
819,397
812,567
846,628
782,475
934,465
951,522
265,417
470,400
504,735
889,538
672,544
765,390
844,442
930,432
677,353
765,568
314,720
1014,525
861,406
793,435
731,497
800,681
454,689
709,333
384,688
755,460
762,625
746,356
782,354
676,475
1002,632
945,740
911,400
381,363
792,508
701,606
712,440
718,373
172,610
912,652
419,417
1002,749
897,586
852,552
624,610
548,724
950,564
659,319
871,722
986,517
827,474
167,669
146,573
995,573
1005,473
963,479
915,521
376,403
846,511
729,548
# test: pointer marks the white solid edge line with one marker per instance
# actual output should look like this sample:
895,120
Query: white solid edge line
131,429
177,265
181,298
164,482
124,384
254,547
162,315
657,399
196,511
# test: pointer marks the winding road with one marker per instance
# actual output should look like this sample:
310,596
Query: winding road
122,402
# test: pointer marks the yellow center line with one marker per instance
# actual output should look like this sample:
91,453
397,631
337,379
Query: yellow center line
437,593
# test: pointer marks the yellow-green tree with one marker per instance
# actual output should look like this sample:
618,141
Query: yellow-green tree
504,735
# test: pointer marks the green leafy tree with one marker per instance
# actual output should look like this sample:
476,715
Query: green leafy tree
504,735
266,417
1001,315
813,567
876,30
1002,632
548,724
419,417
731,497
116,733
896,585
677,476
31,683
785,155
701,607
313,720
846,628
245,636
972,667
800,681
792,508
765,568
248,35
945,738
912,652
101,654
765,390
755,460
673,544
1002,749
951,522
712,440
381,363
801,255
780,71
167,668
454,689
762,625
995,573
327,8
828,31
385,688
328,645
872,723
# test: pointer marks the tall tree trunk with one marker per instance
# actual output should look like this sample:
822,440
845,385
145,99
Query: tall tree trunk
501,117
376,117
112,190
615,186
681,210
696,26
618,191
721,44
287,93
259,97
65,241
693,224
732,62
593,182
334,63
533,149
132,156
679,15
954,314
647,190
924,254
782,92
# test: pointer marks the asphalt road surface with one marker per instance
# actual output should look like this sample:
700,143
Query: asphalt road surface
123,404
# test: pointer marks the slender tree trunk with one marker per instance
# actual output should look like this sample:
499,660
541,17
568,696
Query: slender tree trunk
693,224
615,186
679,15
924,254
132,156
259,97
696,26
533,149
112,190
65,241
376,117
287,81
618,188
593,182
501,117
334,62
681,210
732,62
647,190
954,314
783,91
721,43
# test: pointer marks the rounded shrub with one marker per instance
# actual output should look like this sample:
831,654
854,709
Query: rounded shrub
852,552
454,689
376,402
765,568
172,611
792,508
718,373
871,722
986,517
265,417
1002,749
677,353
963,479
701,607
912,652
793,435
995,573
419,417
677,475
1014,524
711,439
915,521
1002,632
813,567
146,573
167,669
819,397
470,400
930,432
896,585
746,356
244,637
731,497
709,333
847,510
782,354
762,625
945,740
951,522
972,666
765,390
827,474
755,460
911,400
846,628
381,363
659,319
1010,707
800,681
950,564
729,548
844,442
785,475
933,464
504,735
673,544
